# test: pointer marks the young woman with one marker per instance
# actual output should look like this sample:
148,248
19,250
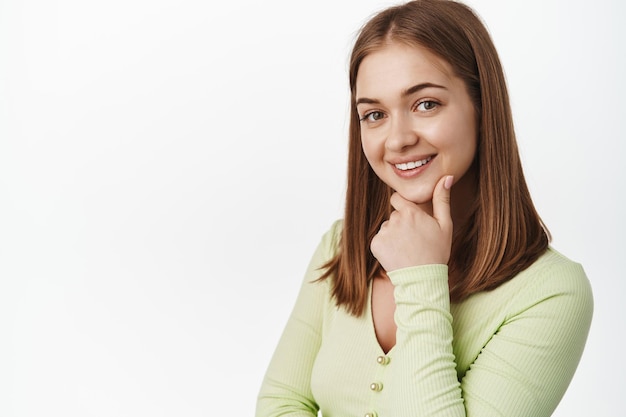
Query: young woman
438,293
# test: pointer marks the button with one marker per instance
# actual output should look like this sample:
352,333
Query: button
383,360
376,386
372,414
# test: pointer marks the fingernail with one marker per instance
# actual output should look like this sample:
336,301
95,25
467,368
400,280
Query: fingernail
447,184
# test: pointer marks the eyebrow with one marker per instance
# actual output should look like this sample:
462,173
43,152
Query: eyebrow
405,93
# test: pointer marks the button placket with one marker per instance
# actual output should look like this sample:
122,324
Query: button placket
377,386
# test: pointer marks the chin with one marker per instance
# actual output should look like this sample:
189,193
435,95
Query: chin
416,197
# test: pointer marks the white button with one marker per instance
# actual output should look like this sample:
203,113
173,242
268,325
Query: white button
376,386
383,360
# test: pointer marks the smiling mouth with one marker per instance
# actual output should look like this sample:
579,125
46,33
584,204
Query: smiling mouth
413,165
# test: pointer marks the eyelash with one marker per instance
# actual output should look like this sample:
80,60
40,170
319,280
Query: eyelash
417,105
368,114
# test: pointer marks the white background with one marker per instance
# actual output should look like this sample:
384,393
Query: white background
167,168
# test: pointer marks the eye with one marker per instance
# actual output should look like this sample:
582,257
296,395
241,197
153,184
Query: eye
372,116
427,105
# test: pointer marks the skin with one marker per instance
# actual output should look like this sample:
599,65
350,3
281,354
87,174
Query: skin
413,108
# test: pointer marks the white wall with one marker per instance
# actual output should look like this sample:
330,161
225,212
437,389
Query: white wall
167,168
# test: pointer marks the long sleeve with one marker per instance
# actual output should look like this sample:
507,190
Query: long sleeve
529,355
426,384
286,388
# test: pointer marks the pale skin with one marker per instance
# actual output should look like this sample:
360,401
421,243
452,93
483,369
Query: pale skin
395,245
413,108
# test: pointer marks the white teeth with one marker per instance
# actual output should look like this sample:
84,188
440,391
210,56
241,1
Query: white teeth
412,165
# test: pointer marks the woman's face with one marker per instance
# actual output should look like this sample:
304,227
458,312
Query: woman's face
417,120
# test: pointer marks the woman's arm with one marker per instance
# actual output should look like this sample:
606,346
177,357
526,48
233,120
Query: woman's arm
523,369
286,388
524,366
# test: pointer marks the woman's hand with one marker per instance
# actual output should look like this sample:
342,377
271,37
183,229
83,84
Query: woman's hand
413,237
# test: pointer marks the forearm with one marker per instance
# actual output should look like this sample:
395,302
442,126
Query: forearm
424,379
286,387
524,354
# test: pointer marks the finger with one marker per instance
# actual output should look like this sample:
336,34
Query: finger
398,202
441,202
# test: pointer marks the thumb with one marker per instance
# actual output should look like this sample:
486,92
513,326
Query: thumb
441,202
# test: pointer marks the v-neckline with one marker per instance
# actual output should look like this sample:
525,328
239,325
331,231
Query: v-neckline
372,327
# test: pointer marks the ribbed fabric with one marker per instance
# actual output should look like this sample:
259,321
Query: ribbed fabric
507,352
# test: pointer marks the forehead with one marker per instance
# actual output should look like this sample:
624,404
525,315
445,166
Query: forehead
397,64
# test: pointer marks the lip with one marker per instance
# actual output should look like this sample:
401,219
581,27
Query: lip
410,173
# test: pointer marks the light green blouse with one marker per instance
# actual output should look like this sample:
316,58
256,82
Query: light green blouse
507,352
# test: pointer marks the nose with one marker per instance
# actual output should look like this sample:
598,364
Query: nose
401,134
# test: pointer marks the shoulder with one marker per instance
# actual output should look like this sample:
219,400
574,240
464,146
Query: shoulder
326,250
331,239
554,270
556,278
335,230
553,281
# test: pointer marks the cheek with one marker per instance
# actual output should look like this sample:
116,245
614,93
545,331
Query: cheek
460,133
458,146
371,150
465,153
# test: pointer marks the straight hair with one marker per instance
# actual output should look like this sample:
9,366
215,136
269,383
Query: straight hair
504,234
